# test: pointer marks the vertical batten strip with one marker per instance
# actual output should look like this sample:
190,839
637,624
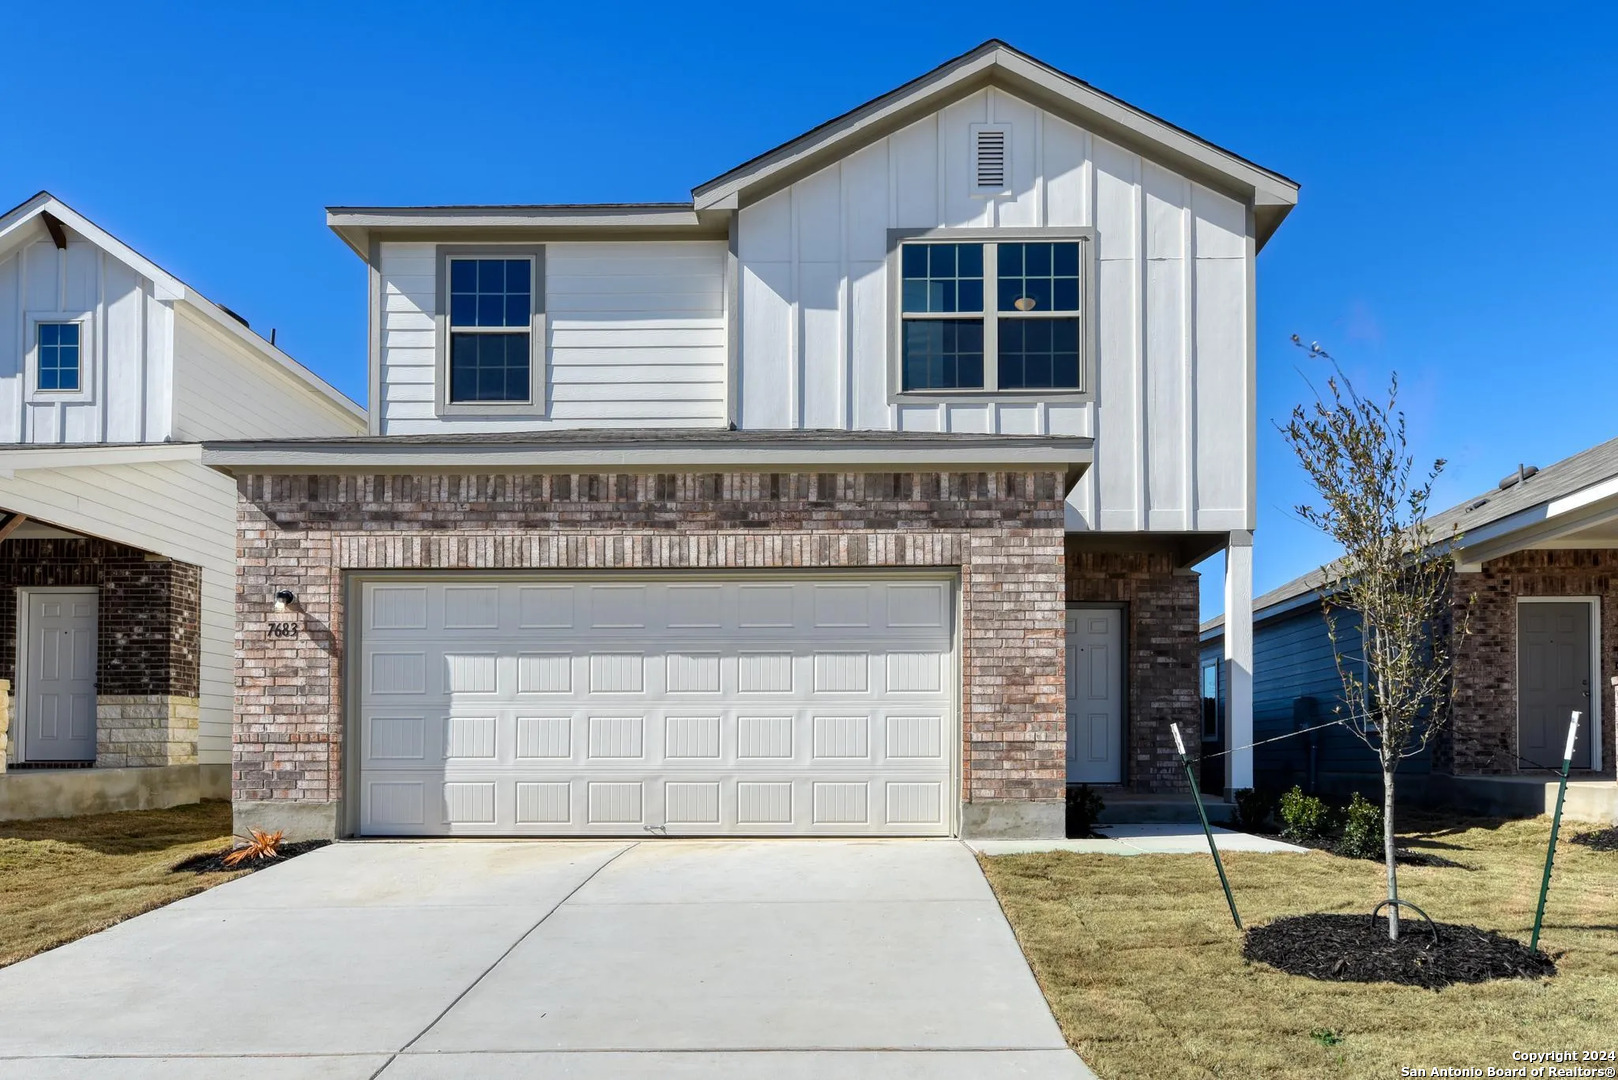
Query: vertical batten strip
1138,311
795,387
845,319
1189,337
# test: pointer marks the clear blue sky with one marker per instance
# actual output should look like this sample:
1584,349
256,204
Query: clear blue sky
1457,221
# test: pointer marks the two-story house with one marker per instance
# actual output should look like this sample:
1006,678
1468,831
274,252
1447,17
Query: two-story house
856,496
117,545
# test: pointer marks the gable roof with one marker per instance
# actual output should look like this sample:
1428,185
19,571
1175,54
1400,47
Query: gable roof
996,63
993,63
1574,482
23,221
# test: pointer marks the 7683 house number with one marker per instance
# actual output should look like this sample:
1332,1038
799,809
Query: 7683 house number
281,629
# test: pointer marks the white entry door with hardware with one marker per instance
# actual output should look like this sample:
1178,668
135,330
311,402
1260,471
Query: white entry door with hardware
58,665
1095,695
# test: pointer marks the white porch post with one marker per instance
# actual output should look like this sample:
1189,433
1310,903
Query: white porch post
1239,655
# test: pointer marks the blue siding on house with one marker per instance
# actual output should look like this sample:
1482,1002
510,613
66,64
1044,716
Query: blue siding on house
1296,685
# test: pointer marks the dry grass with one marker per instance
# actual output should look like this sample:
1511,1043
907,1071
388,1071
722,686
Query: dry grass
1141,965
61,879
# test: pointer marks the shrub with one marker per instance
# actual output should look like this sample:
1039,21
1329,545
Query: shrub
1084,805
1304,818
1252,809
258,846
1362,829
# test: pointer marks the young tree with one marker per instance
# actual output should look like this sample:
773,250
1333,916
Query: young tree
1394,577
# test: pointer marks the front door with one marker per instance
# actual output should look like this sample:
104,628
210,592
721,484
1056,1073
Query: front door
1553,680
1095,696
59,675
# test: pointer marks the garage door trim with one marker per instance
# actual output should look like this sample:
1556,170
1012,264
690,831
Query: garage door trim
354,582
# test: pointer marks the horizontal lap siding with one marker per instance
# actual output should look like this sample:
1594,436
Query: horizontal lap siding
636,337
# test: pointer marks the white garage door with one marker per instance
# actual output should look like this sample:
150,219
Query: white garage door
631,706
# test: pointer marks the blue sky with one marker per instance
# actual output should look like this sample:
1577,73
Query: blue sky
1457,220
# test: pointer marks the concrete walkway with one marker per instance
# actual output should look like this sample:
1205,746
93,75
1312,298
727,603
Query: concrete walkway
1142,840
573,959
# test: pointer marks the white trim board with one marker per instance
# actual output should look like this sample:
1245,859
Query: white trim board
1596,734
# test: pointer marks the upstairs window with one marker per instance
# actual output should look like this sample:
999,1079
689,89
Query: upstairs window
491,322
991,315
59,365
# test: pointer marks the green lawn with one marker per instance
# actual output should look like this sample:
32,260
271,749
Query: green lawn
63,878
1143,969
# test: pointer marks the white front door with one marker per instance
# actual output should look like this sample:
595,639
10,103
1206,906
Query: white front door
59,675
1095,696
629,704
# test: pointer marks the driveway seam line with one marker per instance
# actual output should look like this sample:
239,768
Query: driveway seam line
499,959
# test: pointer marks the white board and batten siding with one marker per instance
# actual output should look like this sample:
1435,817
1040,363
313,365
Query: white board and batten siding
124,347
222,390
1170,405
180,509
635,337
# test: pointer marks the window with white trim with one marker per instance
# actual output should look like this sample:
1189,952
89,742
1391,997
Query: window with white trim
491,316
58,352
990,315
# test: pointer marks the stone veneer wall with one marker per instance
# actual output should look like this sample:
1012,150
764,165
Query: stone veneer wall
148,641
1482,738
1003,531
1160,622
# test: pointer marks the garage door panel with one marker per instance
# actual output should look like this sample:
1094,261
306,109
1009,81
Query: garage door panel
670,708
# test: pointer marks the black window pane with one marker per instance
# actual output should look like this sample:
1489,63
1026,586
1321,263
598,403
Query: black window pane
969,294
1010,260
491,276
48,333
517,310
491,309
518,272
1065,260
941,296
1039,291
1037,354
942,354
941,262
463,275
1010,290
1037,260
913,259
915,294
970,260
489,367
1066,295
463,309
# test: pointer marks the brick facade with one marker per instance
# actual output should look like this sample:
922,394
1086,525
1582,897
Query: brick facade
1001,531
148,612
1161,607
1483,729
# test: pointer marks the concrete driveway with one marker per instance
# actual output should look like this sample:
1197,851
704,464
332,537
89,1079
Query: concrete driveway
570,959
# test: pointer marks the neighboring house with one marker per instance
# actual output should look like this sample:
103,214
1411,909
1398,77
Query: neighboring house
1540,556
856,495
117,545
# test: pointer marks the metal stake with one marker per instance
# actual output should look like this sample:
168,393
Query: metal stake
1556,827
1207,830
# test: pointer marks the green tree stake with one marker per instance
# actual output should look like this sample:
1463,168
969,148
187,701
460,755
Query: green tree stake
1556,827
1207,830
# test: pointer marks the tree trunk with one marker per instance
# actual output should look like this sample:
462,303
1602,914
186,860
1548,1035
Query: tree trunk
1389,850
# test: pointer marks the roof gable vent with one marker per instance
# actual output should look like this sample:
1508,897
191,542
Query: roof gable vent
991,158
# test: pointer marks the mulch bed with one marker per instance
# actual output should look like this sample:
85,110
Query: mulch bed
1353,948
1406,856
1599,839
213,862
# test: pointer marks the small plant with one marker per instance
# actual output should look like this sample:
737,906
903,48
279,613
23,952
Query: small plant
1252,809
258,845
1304,818
1326,1036
1084,806
1362,829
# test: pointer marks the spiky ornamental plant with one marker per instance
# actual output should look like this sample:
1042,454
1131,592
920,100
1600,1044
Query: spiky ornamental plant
1394,578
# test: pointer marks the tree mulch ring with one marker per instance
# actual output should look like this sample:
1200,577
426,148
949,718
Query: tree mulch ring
1599,839
213,862
1354,948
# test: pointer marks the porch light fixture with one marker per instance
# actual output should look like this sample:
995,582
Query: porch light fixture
284,599
1025,303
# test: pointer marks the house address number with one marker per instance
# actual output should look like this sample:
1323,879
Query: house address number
283,629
